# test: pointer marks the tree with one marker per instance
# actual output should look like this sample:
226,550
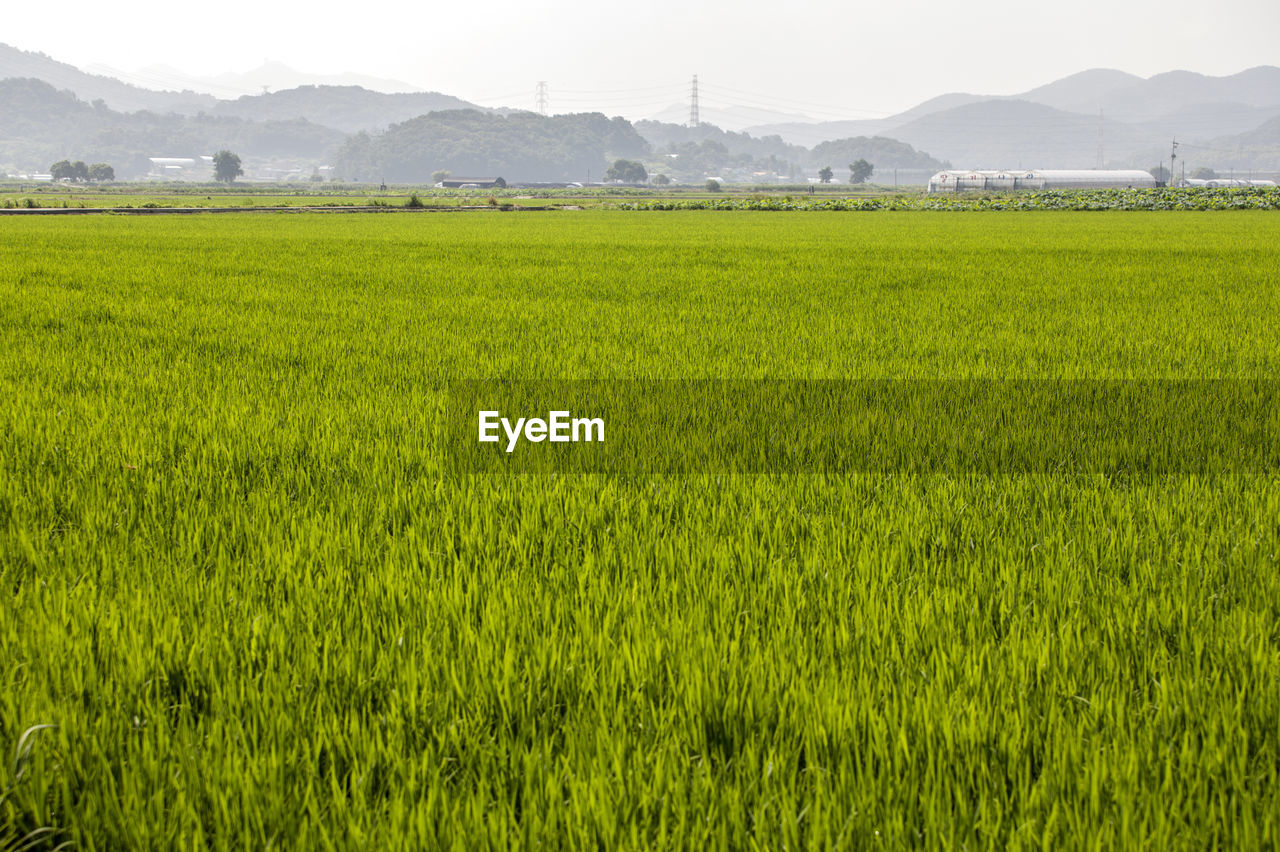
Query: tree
859,171
67,170
226,167
825,174
712,185
100,172
499,183
439,175
627,171
662,180
1160,173
1203,173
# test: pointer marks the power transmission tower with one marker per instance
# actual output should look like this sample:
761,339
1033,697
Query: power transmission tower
1173,158
693,103
542,97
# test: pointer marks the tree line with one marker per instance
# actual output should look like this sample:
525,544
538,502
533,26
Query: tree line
78,172
859,171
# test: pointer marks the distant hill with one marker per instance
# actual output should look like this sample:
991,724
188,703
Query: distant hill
1012,133
15,63
42,125
519,147
1255,149
1169,92
346,108
1267,133
1139,116
1087,91
274,76
812,134
732,118
884,154
707,147
663,136
1204,121
936,104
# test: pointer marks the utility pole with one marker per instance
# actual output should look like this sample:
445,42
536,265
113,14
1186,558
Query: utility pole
693,103
1173,157
541,97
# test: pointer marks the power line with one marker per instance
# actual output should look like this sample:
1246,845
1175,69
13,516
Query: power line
633,100
1209,148
671,87
794,103
801,113
507,97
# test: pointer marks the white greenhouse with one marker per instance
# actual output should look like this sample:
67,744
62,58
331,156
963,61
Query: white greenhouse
1002,180
1217,182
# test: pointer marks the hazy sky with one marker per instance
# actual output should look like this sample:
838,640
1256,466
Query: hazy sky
823,58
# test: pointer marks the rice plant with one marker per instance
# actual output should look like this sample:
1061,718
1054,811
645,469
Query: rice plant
257,608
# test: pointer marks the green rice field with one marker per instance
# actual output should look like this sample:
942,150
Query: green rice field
248,605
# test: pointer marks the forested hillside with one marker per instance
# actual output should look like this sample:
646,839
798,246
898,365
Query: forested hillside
521,146
40,125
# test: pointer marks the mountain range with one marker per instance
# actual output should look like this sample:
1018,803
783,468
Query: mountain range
15,63
1099,116
270,76
1065,123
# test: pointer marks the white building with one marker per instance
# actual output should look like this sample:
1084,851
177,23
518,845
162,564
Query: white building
180,168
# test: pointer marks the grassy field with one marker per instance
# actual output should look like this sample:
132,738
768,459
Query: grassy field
17,199
16,194
255,610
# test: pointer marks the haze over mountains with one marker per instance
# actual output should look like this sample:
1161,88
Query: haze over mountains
15,63
1063,122
270,76
1095,117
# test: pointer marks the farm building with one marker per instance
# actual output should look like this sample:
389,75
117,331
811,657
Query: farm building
180,168
472,183
997,180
